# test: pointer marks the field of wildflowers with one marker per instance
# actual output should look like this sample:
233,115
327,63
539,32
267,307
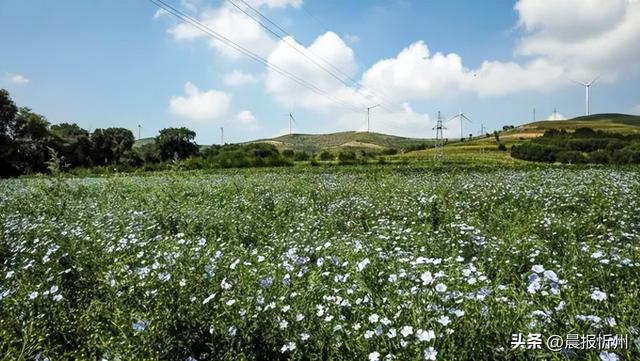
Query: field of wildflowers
349,264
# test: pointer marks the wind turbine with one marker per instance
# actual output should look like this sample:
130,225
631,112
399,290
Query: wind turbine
586,90
368,112
462,118
292,121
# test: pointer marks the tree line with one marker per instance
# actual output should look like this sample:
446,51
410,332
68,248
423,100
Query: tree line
29,143
585,145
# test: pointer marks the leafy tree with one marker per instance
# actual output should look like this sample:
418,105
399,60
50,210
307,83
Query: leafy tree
32,137
326,156
8,147
347,157
73,144
148,153
178,142
110,144
288,153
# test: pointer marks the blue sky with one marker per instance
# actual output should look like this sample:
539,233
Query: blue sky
119,63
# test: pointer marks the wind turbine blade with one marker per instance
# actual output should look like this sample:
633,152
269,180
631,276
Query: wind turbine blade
593,81
453,117
465,117
577,82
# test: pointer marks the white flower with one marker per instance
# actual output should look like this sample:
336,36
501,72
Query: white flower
472,281
374,356
596,255
598,295
537,268
33,295
230,302
611,321
289,346
385,321
304,336
374,318
53,289
233,330
425,336
283,324
426,278
299,317
362,264
406,331
392,278
368,334
430,354
444,320
206,300
164,276
441,287
392,333
608,356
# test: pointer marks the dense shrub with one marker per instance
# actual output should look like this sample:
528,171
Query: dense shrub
585,145
326,156
347,157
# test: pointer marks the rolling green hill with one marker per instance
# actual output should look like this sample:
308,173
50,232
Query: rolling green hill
314,143
611,122
485,149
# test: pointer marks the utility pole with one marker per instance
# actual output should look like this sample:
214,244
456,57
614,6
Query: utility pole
368,119
139,131
534,114
221,135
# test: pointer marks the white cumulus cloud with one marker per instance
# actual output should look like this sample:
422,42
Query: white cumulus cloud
234,25
200,105
246,120
585,37
328,47
238,78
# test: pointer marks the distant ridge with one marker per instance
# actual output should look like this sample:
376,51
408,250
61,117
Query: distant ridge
608,122
343,140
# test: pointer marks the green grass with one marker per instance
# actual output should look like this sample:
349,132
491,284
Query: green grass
318,263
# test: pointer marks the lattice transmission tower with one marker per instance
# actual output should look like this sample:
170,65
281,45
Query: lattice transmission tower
439,146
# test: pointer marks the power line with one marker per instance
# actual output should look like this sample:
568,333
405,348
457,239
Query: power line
212,33
286,33
292,46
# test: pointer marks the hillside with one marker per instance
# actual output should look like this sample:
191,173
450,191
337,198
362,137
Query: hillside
314,143
485,149
610,122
